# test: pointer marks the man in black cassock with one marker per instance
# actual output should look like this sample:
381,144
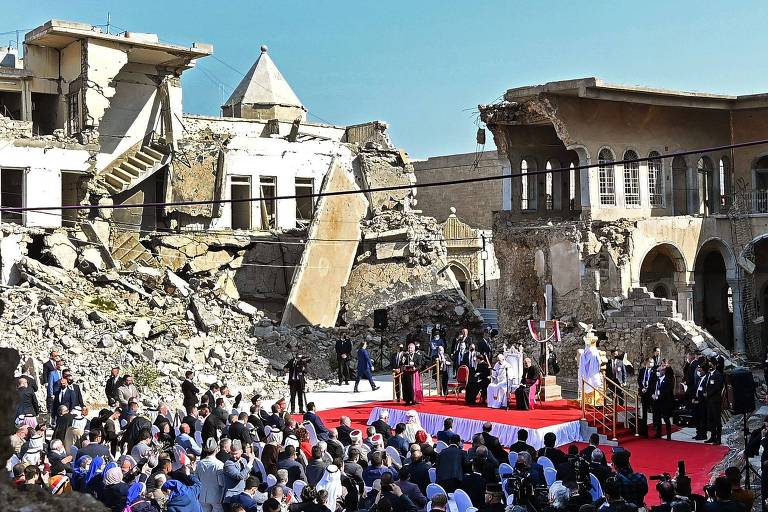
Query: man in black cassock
296,368
478,380
410,362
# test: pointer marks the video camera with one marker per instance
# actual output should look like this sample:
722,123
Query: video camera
520,484
681,481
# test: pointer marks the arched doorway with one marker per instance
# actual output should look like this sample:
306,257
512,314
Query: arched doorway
713,307
663,268
462,277
680,186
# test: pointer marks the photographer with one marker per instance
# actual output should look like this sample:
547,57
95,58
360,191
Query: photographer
296,369
723,501
668,497
614,498
527,482
632,486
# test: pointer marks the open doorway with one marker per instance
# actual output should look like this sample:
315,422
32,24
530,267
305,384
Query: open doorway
679,186
713,310
304,205
12,194
240,190
70,196
268,188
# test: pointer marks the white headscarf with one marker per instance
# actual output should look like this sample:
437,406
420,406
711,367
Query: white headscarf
331,482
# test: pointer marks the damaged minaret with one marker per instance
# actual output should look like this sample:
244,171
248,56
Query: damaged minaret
264,94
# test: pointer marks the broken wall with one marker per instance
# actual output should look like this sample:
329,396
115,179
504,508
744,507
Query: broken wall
330,252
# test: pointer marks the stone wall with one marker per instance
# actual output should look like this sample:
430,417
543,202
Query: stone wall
474,204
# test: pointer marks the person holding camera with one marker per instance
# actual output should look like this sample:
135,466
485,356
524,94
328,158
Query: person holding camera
723,499
296,369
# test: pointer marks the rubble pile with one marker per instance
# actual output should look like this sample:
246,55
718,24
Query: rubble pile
145,318
401,264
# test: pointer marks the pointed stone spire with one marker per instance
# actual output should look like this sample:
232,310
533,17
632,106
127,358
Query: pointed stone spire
264,94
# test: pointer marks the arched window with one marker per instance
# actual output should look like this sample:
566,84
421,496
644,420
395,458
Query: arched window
631,179
655,180
606,178
704,168
548,185
524,185
725,183
572,186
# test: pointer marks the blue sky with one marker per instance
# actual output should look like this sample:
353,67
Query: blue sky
423,66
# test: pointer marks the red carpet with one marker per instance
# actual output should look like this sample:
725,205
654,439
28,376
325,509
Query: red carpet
649,456
545,414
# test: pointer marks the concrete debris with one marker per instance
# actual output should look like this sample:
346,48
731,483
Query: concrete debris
141,329
210,260
90,261
61,251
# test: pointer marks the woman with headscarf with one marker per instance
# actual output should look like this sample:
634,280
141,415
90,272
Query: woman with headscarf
93,483
137,499
271,451
331,483
412,425
183,498
115,490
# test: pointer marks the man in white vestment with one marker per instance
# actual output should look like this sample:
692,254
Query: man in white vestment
497,389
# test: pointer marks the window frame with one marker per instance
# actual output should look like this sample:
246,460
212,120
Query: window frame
655,180
631,174
606,178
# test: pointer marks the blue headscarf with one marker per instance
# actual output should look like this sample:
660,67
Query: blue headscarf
79,474
94,469
177,489
135,491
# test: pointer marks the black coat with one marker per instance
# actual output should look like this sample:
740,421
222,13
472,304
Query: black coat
111,387
343,347
239,431
666,395
27,402
382,428
651,381
474,485
343,434
714,386
494,446
451,463
190,392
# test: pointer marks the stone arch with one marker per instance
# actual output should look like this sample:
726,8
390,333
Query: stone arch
663,267
759,247
463,276
713,297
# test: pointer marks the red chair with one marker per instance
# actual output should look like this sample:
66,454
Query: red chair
462,377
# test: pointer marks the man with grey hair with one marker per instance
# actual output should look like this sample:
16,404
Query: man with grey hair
559,496
344,430
599,467
236,470
282,481
210,471
534,470
382,426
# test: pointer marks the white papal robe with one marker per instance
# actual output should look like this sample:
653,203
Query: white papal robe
499,386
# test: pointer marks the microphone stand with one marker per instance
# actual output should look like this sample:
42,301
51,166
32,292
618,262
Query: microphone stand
506,381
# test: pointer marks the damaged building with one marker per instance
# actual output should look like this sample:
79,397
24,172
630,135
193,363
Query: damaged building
102,163
627,247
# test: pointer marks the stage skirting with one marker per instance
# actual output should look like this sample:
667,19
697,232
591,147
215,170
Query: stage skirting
566,432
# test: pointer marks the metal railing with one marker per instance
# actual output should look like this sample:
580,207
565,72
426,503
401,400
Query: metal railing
606,403
426,384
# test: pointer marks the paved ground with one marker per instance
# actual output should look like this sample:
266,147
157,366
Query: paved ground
342,396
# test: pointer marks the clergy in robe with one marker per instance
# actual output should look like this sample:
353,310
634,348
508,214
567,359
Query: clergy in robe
497,389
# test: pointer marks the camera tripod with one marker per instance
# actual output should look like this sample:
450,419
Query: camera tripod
747,469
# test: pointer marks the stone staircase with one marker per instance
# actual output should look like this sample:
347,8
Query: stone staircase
129,251
132,168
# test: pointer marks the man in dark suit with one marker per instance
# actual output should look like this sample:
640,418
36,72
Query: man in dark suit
410,489
311,416
714,397
646,384
527,465
211,395
398,441
451,463
343,352
689,374
49,366
521,444
75,388
381,425
189,389
699,401
446,434
492,443
460,355
287,460
334,447
549,451
27,403
95,448
113,383
474,484
344,430
238,430
419,468
64,396
353,469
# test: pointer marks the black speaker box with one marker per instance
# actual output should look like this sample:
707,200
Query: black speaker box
380,319
741,390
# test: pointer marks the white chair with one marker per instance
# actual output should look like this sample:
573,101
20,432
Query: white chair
440,446
298,486
432,474
433,489
471,509
199,438
505,469
429,505
394,455
509,498
597,490
272,480
462,500
311,431
512,457
550,475
545,462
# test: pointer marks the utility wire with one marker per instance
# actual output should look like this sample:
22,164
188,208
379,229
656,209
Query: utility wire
390,188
